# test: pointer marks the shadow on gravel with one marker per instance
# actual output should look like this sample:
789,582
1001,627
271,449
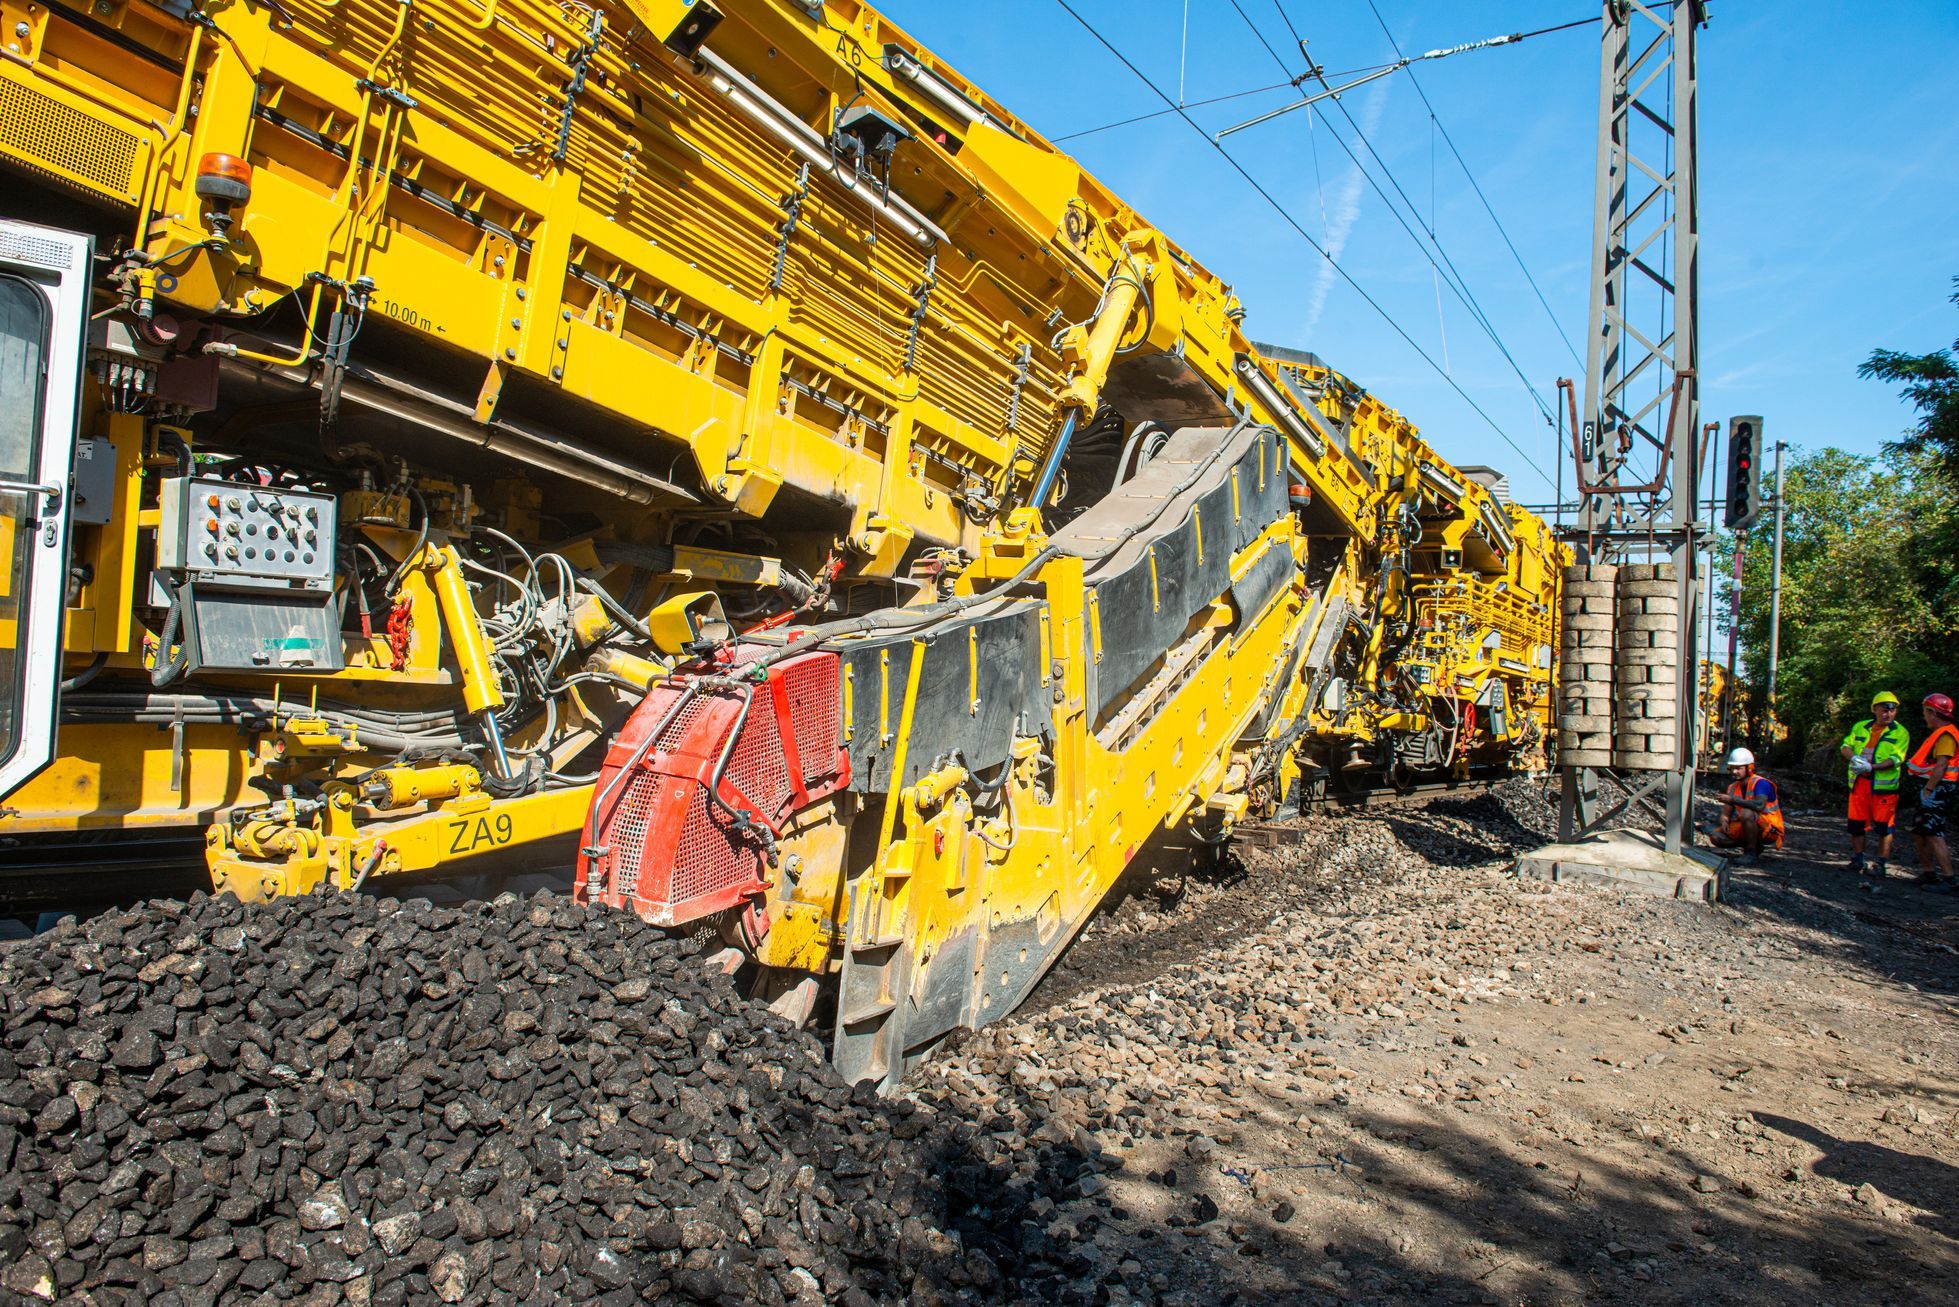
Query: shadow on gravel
1446,847
1901,933
1425,1212
1471,831
1924,1182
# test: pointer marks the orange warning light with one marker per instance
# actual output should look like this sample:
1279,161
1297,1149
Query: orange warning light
224,178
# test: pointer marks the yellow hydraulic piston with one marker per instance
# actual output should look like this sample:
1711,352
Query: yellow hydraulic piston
1091,346
399,787
482,696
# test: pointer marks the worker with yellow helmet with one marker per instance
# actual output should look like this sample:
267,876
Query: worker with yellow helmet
1876,749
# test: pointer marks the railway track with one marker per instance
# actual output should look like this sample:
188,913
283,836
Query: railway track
1281,831
1176,903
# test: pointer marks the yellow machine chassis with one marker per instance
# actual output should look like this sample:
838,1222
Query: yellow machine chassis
615,290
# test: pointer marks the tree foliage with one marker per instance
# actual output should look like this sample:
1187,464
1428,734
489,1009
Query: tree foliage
1931,385
1869,582
1931,445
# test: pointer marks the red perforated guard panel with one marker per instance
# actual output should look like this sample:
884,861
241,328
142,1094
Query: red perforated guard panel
656,842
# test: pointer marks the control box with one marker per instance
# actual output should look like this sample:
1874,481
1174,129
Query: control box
214,529
251,571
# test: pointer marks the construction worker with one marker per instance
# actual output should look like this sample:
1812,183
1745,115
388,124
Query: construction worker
1752,816
1936,766
1876,748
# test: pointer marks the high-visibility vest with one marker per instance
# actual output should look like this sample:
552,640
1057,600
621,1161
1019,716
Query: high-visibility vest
1925,765
1745,789
1887,759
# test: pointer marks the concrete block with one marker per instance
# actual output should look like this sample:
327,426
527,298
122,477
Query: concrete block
1629,860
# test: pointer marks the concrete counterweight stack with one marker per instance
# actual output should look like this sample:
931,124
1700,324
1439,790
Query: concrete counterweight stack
1589,625
1619,712
1648,672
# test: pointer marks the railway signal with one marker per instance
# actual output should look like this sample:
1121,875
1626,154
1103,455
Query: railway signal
1744,473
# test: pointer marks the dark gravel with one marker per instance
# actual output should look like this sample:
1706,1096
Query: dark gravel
346,1099
1177,899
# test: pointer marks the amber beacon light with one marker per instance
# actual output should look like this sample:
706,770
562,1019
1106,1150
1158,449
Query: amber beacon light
223,181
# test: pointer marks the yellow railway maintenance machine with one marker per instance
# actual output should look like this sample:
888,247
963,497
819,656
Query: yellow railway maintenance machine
713,443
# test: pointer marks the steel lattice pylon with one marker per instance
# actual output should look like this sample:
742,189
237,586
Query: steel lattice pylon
1637,444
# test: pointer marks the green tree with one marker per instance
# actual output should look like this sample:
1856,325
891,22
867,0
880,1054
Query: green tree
1870,572
1852,624
1930,385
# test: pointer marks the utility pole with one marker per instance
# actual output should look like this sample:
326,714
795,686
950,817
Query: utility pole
1638,443
1734,645
1711,440
1775,601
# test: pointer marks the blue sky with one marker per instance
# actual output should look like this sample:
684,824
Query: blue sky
1829,202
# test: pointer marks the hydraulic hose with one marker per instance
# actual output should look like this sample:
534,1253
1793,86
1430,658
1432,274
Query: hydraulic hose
169,667
408,559
87,674
899,619
381,730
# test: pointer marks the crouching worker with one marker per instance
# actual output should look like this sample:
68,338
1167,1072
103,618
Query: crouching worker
1752,816
1876,750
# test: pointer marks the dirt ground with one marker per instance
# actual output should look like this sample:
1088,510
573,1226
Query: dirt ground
1379,1068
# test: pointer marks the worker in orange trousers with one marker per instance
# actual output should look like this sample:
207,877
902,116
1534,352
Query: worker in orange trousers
1876,749
1751,819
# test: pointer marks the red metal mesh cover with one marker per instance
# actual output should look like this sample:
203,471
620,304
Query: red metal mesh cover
655,841
711,858
816,717
629,825
757,768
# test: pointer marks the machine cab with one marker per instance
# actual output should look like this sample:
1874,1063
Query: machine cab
44,289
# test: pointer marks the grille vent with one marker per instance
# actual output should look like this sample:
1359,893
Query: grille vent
65,143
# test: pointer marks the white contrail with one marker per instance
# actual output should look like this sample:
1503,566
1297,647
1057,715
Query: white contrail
1345,211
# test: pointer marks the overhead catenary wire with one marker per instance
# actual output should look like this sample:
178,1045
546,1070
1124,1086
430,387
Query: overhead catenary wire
1379,71
1287,216
1289,84
1458,284
1162,113
1436,121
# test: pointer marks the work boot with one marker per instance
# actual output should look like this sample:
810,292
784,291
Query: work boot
1879,870
1857,864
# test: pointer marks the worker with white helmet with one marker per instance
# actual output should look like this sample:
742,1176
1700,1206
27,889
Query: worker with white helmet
1752,817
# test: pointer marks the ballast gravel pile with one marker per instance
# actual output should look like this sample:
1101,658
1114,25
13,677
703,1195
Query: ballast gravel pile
345,1099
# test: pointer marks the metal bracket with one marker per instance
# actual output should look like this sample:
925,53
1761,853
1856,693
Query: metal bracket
1621,488
399,98
342,327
